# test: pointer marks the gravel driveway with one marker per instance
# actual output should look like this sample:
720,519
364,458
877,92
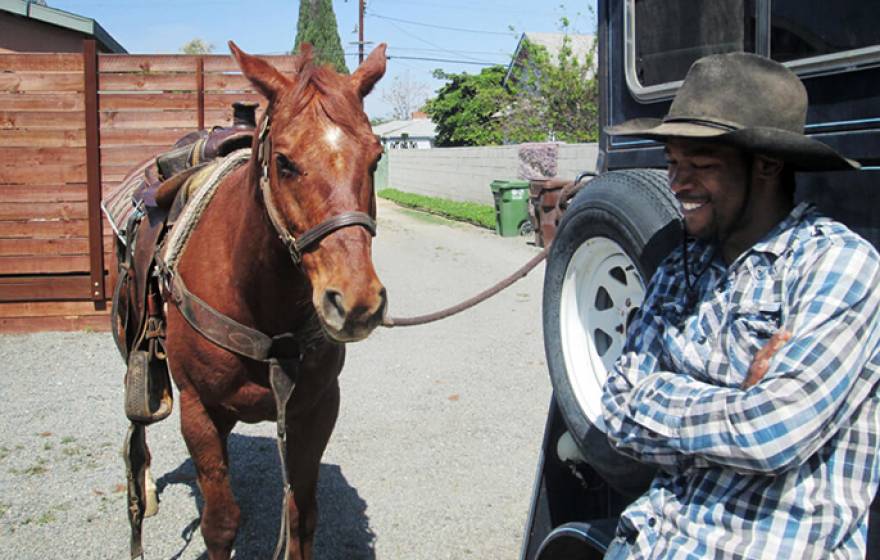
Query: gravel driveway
433,455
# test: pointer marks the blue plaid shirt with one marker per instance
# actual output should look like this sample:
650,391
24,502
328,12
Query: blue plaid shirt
786,468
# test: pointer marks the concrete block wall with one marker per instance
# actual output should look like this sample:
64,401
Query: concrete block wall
466,173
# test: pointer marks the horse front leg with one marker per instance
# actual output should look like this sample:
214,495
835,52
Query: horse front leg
205,437
308,435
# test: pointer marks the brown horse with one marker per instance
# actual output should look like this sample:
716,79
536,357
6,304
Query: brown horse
316,159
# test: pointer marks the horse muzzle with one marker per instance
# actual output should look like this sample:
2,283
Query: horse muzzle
347,318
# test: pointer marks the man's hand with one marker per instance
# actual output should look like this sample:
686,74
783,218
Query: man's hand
761,362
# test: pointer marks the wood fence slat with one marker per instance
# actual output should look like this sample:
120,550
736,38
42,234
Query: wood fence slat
31,247
224,82
214,100
69,323
42,102
43,288
127,155
36,138
41,81
146,63
148,119
225,63
14,211
49,309
44,264
41,62
146,101
27,155
64,120
44,228
74,192
42,174
133,137
179,82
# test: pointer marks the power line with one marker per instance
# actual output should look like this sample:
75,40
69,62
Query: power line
461,29
430,44
497,53
476,62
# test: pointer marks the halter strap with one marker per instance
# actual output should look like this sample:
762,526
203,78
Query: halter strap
295,246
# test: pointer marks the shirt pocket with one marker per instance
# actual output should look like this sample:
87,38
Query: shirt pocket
750,327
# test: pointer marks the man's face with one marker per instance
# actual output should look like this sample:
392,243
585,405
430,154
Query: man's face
710,182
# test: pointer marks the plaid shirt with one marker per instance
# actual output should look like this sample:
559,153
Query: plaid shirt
788,467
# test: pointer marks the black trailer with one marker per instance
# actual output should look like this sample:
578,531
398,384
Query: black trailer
618,228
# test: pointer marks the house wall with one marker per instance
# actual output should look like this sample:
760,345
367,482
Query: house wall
466,173
26,35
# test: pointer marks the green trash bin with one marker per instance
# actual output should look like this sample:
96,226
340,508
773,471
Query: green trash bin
511,206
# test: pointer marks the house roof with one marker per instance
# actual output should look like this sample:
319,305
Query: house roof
60,18
414,128
580,46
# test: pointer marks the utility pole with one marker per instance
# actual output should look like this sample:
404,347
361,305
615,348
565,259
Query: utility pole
361,31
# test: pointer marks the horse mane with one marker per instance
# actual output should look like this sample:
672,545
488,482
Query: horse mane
321,86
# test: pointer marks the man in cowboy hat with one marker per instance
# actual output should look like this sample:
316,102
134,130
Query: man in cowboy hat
750,376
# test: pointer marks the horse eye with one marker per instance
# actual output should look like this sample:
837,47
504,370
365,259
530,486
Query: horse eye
286,167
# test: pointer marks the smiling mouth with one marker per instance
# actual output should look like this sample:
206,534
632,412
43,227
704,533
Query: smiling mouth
691,206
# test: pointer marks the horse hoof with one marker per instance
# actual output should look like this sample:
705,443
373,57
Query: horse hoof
151,496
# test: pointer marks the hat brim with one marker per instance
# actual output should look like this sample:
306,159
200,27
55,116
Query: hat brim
802,152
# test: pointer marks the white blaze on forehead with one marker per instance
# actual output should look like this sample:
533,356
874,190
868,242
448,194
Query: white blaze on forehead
332,136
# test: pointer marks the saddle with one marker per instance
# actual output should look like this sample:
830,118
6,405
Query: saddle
158,194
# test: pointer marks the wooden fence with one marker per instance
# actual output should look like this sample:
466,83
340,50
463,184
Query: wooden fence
72,125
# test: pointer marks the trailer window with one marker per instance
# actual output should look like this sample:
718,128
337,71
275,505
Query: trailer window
666,36
803,29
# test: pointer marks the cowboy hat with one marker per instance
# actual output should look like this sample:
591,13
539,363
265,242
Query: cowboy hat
747,101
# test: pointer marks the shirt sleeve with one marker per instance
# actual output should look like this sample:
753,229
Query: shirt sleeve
815,382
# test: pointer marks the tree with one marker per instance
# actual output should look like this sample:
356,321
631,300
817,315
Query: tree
317,25
554,100
466,109
405,96
197,46
549,98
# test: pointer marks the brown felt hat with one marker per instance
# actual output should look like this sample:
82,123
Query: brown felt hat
747,101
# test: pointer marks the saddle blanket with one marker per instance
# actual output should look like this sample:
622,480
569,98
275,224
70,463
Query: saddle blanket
122,202
119,204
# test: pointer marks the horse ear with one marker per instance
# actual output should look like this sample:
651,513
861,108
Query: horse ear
265,77
368,73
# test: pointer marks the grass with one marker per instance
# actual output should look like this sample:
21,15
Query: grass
478,214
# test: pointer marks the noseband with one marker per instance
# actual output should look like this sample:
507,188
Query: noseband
296,246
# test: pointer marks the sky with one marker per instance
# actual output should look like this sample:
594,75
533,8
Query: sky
470,33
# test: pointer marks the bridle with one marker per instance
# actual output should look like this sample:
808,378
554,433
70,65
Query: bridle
297,246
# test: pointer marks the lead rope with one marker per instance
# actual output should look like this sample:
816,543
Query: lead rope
567,193
468,303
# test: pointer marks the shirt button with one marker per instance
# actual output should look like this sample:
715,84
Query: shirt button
651,522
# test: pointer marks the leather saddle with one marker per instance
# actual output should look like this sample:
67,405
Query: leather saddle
138,319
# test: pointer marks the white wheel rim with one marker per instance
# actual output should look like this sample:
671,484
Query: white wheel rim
601,291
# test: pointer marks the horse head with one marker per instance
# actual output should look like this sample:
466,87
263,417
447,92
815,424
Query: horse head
315,156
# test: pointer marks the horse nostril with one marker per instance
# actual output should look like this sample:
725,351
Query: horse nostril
334,309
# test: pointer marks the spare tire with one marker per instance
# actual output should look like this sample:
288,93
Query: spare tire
610,240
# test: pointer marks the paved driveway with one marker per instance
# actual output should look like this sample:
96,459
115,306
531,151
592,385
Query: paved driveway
433,454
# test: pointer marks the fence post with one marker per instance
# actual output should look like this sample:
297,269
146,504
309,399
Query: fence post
93,175
200,87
